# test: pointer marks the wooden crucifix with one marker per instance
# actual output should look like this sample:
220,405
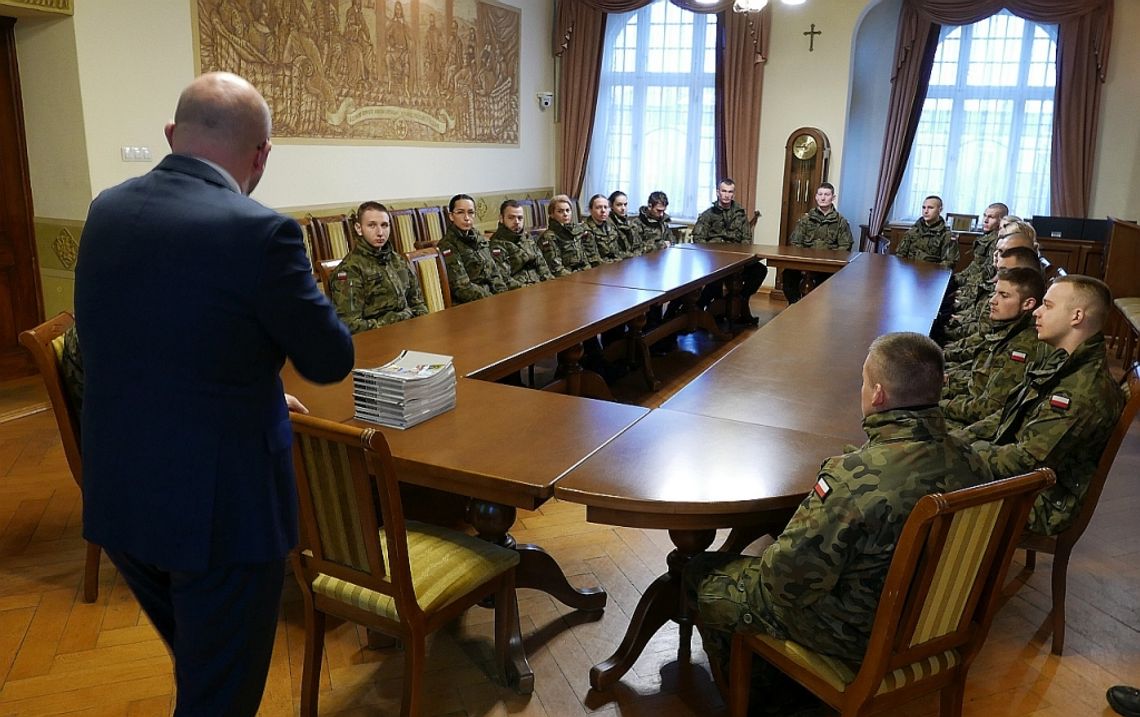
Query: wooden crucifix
811,37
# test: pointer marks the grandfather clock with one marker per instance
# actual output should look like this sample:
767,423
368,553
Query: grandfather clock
807,159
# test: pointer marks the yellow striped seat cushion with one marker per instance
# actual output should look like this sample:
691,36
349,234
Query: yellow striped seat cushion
429,281
445,565
838,674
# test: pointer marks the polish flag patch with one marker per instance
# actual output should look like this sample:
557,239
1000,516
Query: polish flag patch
446,252
1059,401
822,489
1018,356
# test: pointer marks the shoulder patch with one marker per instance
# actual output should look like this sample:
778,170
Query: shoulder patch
1018,356
341,275
822,488
1060,402
445,252
496,251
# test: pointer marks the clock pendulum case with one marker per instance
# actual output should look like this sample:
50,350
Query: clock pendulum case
807,158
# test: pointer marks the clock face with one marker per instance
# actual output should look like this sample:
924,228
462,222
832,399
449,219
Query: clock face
804,146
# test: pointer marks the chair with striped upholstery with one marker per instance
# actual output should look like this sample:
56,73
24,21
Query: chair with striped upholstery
432,274
1061,545
336,236
327,270
63,381
359,560
432,226
939,598
310,240
405,229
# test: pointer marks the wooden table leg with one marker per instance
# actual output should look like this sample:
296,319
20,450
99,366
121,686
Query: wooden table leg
699,318
576,380
664,600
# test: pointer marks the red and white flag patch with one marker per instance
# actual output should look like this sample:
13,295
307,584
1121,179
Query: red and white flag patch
822,489
1018,356
1059,401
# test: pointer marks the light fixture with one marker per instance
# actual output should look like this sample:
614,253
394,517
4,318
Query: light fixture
758,5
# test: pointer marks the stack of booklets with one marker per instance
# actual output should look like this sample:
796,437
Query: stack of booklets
409,389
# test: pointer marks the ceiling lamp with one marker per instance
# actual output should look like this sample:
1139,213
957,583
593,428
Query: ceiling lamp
758,5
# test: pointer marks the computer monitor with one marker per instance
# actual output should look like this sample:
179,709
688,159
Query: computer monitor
1095,230
1068,227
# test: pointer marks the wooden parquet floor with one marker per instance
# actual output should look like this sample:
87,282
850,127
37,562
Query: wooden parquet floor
59,656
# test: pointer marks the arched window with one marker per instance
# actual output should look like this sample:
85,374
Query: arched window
986,129
654,125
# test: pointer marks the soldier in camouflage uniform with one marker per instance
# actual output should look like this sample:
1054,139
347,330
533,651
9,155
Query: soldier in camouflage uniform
975,318
603,234
973,282
563,239
726,222
651,225
819,583
374,285
520,256
976,389
619,204
821,228
1063,414
930,239
472,270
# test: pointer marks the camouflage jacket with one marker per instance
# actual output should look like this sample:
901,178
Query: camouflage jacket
606,240
629,243
997,371
548,247
974,282
933,243
822,231
649,233
1061,417
717,225
519,256
567,241
375,287
472,270
71,373
965,326
819,583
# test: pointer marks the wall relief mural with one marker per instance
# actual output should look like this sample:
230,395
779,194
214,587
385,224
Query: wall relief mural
399,70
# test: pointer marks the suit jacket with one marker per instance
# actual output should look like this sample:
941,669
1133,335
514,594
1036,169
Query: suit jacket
189,298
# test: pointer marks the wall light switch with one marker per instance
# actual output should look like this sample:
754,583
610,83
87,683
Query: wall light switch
131,153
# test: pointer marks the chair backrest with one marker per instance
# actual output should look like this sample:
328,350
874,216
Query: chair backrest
432,274
1122,260
46,344
348,492
310,239
336,237
432,226
945,579
1108,455
542,213
870,244
405,229
327,270
530,214
961,222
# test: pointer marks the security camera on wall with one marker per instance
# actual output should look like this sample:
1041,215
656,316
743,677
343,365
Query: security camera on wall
545,100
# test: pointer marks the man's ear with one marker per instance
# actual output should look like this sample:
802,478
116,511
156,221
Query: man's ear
1029,304
169,132
878,395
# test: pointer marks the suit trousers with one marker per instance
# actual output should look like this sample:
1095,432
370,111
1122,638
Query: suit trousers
219,626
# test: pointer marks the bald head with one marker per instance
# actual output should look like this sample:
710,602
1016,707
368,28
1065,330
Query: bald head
223,118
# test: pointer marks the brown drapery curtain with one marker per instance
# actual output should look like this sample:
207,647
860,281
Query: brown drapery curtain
742,42
1083,35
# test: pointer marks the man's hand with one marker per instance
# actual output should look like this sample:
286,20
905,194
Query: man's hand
294,405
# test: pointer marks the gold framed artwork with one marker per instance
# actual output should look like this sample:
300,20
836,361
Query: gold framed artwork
372,70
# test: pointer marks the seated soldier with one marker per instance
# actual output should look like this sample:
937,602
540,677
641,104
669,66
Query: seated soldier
821,228
726,222
974,279
930,239
519,255
819,582
1006,350
651,225
974,318
1062,416
375,285
472,270
619,205
606,238
562,243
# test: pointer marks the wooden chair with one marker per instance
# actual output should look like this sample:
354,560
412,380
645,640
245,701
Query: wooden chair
310,240
45,343
335,235
327,270
939,598
359,560
1061,545
870,244
530,215
542,213
961,222
432,273
432,226
405,229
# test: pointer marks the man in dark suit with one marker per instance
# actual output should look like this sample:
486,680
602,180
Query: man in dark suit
189,298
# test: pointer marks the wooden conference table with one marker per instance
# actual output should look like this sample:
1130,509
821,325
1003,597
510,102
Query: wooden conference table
506,446
741,445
